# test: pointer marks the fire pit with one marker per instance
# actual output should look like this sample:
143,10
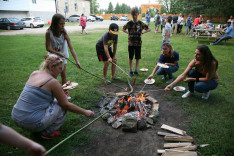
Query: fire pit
130,111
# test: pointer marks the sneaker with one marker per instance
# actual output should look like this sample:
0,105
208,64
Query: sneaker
67,95
106,80
187,94
211,44
136,74
131,74
206,95
51,136
116,78
170,81
164,78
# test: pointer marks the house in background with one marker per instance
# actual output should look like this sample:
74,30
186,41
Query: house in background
73,7
43,8
28,8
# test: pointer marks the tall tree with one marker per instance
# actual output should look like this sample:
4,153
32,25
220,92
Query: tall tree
94,5
117,9
110,8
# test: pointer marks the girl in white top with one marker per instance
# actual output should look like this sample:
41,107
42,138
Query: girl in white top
57,40
56,43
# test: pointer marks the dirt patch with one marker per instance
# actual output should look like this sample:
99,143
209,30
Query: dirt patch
115,142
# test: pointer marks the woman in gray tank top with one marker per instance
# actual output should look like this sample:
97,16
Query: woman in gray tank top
42,104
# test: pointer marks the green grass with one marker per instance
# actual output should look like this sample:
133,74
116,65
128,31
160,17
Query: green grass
211,120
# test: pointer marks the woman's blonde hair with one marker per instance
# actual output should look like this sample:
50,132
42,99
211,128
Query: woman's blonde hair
50,60
168,45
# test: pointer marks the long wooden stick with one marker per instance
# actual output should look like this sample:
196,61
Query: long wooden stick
77,131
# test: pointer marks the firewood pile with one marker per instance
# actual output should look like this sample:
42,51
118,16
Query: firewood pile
178,143
132,111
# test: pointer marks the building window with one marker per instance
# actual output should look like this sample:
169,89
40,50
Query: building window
76,7
34,1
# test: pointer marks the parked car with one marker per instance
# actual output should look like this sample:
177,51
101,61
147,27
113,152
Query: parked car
124,18
100,18
114,17
11,23
97,18
33,22
91,19
73,18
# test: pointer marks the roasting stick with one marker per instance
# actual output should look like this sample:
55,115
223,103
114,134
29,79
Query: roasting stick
143,87
120,69
154,90
77,131
95,75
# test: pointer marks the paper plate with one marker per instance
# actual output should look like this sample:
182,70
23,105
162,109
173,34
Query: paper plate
179,88
148,81
162,65
144,69
71,86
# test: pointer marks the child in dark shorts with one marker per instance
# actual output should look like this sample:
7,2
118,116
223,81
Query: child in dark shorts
104,50
134,32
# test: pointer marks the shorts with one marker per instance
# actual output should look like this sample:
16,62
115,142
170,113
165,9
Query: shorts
101,53
174,26
157,24
83,27
134,50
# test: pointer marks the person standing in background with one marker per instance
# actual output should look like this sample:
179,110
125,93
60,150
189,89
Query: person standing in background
148,18
83,23
163,21
157,20
188,24
174,24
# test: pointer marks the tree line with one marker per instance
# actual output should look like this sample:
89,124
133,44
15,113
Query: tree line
194,7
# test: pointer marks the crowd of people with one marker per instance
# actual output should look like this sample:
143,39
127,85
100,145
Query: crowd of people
43,104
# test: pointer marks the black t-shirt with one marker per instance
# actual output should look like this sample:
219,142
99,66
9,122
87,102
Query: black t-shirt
107,39
175,19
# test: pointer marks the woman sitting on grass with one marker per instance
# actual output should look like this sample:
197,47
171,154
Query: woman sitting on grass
170,58
204,77
42,104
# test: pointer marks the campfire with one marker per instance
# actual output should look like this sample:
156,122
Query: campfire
131,111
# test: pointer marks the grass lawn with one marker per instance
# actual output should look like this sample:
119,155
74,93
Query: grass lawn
211,120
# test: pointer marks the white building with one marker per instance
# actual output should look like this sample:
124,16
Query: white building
28,8
43,8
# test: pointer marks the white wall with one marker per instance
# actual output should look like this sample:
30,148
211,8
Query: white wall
15,5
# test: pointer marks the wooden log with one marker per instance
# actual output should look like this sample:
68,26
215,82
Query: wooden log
176,145
178,138
168,134
174,130
160,151
186,148
155,106
120,94
151,100
179,153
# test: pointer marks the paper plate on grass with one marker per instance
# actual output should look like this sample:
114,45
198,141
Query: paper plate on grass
144,69
162,65
179,88
72,85
149,81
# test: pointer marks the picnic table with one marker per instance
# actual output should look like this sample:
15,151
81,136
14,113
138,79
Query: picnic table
207,33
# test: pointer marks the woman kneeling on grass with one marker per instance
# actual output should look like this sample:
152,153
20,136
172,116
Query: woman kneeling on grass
170,58
204,75
42,104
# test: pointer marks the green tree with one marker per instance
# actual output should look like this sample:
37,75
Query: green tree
94,5
110,8
117,9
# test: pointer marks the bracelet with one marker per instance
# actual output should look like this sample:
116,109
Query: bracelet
197,79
